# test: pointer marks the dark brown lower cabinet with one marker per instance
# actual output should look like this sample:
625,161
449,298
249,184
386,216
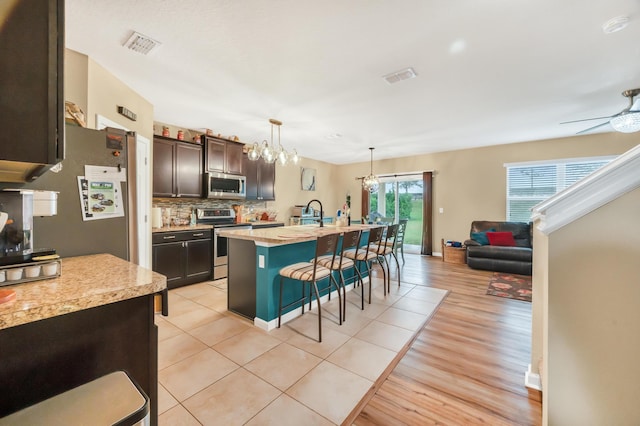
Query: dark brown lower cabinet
184,257
44,358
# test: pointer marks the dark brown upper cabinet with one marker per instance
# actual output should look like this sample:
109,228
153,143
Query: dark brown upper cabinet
31,88
177,168
222,156
261,179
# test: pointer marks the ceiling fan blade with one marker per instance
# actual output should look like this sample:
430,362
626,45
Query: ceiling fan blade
592,128
587,119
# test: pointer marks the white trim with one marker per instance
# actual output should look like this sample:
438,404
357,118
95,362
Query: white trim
532,380
560,161
436,254
102,122
602,186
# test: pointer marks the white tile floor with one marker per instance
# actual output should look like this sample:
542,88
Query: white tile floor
216,368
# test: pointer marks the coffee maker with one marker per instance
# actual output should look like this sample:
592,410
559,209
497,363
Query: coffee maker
16,218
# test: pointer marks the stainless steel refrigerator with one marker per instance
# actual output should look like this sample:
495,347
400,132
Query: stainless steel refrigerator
67,232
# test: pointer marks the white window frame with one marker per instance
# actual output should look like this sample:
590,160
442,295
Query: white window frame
560,180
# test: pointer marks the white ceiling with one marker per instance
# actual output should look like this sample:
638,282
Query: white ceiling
489,72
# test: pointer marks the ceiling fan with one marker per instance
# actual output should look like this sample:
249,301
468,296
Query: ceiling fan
626,121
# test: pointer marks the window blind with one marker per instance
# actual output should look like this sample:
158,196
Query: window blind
529,185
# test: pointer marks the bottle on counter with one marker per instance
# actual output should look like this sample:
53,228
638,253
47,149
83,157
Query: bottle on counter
193,217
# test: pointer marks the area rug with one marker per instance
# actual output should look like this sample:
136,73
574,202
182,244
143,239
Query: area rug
510,286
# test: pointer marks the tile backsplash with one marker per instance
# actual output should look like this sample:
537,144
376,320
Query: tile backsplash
181,208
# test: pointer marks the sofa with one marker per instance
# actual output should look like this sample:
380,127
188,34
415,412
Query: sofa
500,246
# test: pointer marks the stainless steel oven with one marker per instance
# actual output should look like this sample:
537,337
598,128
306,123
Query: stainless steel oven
220,219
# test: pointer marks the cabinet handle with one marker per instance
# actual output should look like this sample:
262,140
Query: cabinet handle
199,234
169,237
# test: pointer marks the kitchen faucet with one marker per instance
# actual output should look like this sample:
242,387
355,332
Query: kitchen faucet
321,211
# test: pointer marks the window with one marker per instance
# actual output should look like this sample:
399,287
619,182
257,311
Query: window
530,184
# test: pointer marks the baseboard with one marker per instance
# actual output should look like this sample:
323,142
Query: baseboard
532,380
273,324
436,254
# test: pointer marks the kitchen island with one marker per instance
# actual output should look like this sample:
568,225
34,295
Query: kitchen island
95,318
256,256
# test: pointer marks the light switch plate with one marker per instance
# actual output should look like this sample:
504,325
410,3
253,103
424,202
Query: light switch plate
261,261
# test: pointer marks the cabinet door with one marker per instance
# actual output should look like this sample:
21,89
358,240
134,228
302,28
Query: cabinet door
266,181
233,157
163,164
199,259
251,172
188,170
169,260
215,155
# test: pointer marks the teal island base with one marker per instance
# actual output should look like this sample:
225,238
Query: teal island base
253,280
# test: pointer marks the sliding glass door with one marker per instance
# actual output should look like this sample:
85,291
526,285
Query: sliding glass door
400,197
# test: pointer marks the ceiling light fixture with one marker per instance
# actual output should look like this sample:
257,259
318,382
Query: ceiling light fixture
370,182
616,24
626,122
271,153
141,43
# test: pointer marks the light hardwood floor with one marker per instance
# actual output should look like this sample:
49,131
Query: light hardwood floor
466,366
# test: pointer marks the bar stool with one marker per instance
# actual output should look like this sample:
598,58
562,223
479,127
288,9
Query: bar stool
309,272
363,255
385,249
341,263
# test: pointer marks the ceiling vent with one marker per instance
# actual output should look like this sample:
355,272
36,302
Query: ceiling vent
141,43
397,76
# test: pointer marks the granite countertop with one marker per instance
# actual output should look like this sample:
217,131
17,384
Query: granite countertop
180,228
85,282
289,234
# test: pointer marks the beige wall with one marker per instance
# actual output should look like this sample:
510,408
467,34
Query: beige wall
75,78
289,191
96,91
594,320
470,184
106,93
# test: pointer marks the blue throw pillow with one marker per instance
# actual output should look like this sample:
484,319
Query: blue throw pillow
481,237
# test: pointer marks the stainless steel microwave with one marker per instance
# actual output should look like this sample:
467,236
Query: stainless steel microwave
221,185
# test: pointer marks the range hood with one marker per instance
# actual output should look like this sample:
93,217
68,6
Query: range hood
15,171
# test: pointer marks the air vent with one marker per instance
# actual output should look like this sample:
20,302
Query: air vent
141,43
397,76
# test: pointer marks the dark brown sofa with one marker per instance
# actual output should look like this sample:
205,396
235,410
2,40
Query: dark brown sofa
515,260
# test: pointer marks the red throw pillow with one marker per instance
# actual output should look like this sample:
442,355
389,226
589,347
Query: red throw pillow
501,239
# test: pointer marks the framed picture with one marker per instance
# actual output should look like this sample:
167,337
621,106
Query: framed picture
308,179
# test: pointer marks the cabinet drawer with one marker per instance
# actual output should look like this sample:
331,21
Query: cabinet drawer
169,237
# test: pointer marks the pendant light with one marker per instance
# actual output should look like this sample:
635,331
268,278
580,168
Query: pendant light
370,182
271,153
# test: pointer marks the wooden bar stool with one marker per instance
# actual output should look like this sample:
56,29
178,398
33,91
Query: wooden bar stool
341,263
363,255
309,272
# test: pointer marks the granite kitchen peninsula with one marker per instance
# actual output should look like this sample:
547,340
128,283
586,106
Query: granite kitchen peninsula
97,317
256,256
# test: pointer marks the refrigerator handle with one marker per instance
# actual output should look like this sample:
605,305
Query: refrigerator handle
164,295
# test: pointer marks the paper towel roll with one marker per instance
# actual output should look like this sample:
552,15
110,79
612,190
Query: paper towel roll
156,217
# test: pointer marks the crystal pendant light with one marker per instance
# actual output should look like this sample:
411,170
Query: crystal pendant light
370,182
253,154
271,153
